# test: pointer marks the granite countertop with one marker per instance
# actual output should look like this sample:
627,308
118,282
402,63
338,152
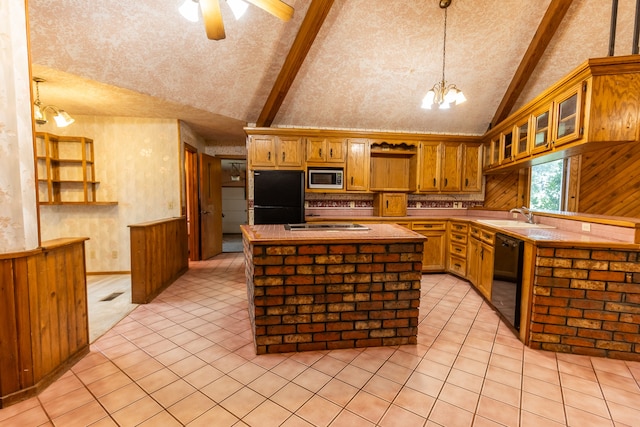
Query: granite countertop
277,234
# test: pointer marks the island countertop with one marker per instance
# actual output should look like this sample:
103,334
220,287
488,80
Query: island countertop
277,234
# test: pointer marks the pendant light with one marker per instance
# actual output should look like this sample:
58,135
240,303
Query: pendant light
443,95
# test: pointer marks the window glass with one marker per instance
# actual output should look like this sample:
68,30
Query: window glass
547,186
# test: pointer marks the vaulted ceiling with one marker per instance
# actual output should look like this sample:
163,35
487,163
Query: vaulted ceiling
368,68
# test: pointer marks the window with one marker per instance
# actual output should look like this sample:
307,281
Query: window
547,190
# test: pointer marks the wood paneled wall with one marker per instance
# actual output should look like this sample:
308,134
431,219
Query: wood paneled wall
506,191
159,255
610,181
44,325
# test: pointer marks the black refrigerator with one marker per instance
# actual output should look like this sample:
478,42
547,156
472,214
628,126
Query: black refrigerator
278,197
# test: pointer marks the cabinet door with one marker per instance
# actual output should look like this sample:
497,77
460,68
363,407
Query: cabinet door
451,161
473,261
429,167
263,151
485,279
335,150
289,152
506,144
434,255
568,116
541,130
316,150
522,140
391,204
358,165
471,169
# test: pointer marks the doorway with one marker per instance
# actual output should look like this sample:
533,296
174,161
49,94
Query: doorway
234,202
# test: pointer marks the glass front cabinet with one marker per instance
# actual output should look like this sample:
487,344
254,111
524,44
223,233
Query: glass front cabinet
541,130
522,140
568,115
506,143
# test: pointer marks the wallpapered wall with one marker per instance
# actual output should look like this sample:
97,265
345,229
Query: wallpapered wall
137,162
18,213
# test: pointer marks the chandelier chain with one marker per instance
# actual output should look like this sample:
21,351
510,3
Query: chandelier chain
444,44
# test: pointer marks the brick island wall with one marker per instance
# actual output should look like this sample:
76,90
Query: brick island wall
587,301
330,296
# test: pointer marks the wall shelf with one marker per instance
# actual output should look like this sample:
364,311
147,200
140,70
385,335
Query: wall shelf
65,170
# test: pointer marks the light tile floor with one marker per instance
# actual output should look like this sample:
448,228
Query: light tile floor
188,359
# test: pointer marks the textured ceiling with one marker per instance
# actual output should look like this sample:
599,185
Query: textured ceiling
369,67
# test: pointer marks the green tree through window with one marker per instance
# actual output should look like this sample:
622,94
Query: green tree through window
547,183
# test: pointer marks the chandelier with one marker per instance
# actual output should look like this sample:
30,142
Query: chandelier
443,95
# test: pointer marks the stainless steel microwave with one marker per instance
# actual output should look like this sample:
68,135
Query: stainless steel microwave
325,178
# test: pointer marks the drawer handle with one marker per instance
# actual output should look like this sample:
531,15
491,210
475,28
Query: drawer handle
457,265
320,152
283,154
331,153
458,250
269,155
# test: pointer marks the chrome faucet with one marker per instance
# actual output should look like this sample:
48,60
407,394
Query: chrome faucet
525,212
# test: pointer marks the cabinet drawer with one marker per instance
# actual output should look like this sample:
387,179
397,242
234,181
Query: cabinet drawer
459,227
487,236
436,225
457,249
474,231
457,237
457,265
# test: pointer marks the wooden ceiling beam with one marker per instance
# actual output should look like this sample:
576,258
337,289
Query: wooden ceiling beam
313,20
545,32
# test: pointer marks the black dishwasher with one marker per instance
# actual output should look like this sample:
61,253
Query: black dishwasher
507,278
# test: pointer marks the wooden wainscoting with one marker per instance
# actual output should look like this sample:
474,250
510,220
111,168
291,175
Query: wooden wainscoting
159,255
44,326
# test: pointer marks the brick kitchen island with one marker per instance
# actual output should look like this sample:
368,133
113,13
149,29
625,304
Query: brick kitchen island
329,289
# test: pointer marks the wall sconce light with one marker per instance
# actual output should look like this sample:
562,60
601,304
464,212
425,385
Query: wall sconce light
61,117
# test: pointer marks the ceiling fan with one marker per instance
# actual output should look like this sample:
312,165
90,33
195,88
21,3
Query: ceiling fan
213,17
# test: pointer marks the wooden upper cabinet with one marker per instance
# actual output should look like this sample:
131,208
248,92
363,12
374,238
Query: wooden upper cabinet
568,115
441,167
471,167
276,152
596,106
507,153
451,167
540,137
357,165
289,152
263,151
521,145
393,165
429,164
325,150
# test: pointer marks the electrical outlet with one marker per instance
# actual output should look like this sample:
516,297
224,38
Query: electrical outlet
514,215
114,254
418,205
352,204
170,205
92,254
586,226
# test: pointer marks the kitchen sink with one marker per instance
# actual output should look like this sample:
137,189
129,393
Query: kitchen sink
512,223
330,226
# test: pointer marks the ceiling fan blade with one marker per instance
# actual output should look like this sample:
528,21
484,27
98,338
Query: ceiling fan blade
277,8
212,19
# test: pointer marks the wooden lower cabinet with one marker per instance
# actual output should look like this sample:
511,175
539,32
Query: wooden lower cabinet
434,254
480,260
457,248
